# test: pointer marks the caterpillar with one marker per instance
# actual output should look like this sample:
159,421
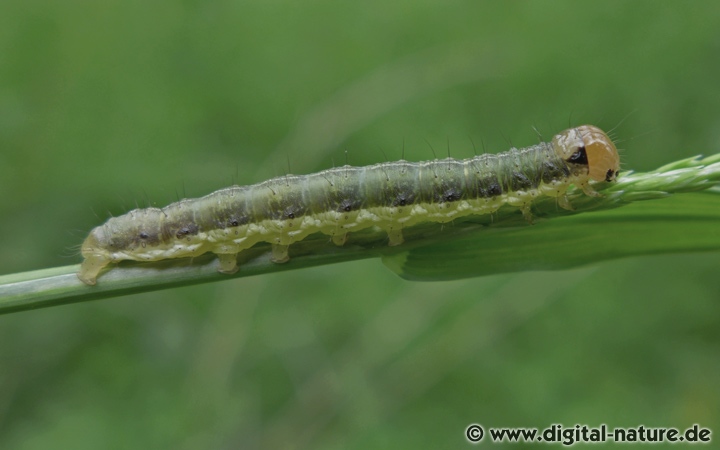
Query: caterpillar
335,202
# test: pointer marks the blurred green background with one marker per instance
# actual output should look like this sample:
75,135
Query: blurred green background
105,105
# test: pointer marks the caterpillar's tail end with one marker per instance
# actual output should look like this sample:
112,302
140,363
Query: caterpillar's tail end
95,257
90,268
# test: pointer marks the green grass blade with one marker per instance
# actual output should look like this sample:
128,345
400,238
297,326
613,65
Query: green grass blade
504,242
682,223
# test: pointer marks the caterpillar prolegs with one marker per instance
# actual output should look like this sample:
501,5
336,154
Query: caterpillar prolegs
337,201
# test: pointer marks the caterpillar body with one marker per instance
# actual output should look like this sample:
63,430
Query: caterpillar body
337,201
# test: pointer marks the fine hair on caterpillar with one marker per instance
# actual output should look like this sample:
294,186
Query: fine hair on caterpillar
338,201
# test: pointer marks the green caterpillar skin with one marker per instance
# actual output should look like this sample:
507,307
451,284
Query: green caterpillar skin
390,196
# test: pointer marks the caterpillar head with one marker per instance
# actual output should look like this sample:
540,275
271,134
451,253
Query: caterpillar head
589,146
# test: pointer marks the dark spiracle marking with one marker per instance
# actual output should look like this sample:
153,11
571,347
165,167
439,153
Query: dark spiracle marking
494,189
347,205
187,230
451,195
553,172
237,220
292,212
404,198
520,182
145,237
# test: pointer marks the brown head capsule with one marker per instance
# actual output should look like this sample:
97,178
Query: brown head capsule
588,145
